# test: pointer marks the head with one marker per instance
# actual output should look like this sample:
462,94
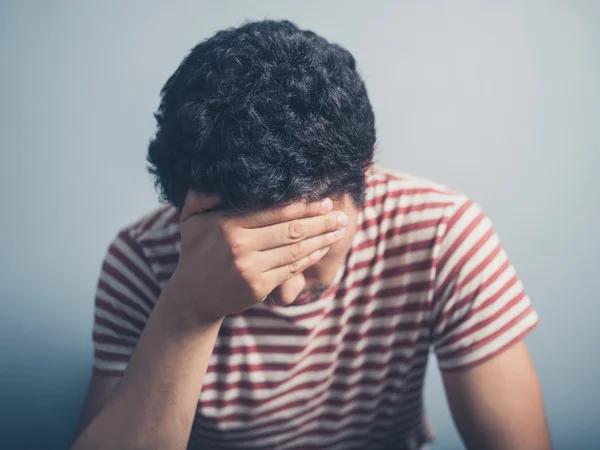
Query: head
264,115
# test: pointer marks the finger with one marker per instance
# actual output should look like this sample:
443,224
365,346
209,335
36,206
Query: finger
275,277
286,255
196,203
286,213
297,230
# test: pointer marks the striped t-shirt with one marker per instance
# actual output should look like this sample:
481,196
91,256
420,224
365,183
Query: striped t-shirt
425,271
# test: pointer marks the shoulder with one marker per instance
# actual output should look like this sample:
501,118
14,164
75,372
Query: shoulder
396,194
148,246
159,226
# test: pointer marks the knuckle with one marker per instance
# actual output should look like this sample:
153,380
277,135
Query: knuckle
237,244
259,289
235,238
331,222
295,267
295,230
242,267
296,250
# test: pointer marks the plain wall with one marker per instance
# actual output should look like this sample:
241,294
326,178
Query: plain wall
498,99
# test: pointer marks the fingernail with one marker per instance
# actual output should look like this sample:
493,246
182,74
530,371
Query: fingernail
339,233
326,204
342,219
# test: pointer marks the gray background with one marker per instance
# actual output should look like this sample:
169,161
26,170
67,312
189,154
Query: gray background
498,99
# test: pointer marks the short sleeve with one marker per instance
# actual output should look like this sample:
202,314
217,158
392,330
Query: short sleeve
125,295
480,306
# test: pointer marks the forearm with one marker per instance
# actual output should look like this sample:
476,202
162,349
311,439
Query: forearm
156,400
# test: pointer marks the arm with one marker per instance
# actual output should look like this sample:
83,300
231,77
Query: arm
481,314
154,404
100,390
497,405
243,258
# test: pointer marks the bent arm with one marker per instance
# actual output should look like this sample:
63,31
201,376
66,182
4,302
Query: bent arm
497,405
153,405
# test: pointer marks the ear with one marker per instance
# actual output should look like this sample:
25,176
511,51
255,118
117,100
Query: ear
369,168
196,203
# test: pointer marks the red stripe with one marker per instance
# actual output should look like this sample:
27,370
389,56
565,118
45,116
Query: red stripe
112,357
418,358
149,222
458,215
378,414
117,329
164,241
381,296
170,258
495,353
482,265
402,192
107,372
407,209
471,298
364,427
477,309
283,367
243,400
223,347
404,228
391,251
335,329
458,241
409,404
481,324
118,312
135,248
455,273
352,316
137,294
129,301
107,339
275,412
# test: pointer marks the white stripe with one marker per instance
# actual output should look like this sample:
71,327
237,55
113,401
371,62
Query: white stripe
482,297
124,290
251,340
162,250
117,320
488,330
294,378
131,277
109,365
309,411
463,248
134,258
113,348
494,345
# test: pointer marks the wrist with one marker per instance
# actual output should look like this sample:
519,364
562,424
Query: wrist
180,307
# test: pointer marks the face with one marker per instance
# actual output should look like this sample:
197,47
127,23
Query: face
311,283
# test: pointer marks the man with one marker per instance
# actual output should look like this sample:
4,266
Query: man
289,293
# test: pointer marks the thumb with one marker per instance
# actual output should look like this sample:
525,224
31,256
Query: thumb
196,202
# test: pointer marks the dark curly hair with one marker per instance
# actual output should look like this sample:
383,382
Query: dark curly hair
260,115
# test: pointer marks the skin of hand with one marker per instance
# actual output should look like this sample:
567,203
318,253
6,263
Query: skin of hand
231,261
